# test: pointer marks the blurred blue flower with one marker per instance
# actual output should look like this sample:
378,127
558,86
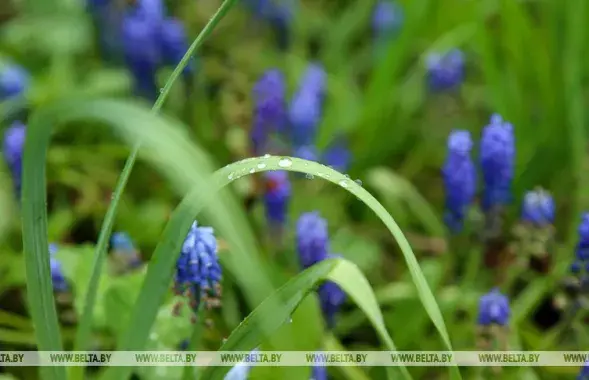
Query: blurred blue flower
387,18
142,52
459,176
331,298
306,106
538,208
337,155
154,10
269,117
318,372
445,71
582,249
14,81
312,238
584,373
276,196
198,272
306,152
14,141
493,309
175,44
277,13
497,162
123,246
57,277
107,17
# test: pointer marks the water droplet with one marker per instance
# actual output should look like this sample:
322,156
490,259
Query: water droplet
261,166
359,182
266,155
230,176
347,175
343,183
309,176
285,163
252,170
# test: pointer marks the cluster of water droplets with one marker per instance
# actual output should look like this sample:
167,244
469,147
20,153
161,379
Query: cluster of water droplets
285,163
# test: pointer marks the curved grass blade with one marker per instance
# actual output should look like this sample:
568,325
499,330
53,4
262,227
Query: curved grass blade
85,325
347,275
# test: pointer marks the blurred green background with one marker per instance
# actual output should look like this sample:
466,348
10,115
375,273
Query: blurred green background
526,60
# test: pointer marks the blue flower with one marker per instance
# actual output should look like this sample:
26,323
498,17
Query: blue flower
198,272
107,17
306,152
584,373
57,277
493,309
175,44
123,246
538,208
337,155
269,108
459,176
497,162
154,10
14,81
318,372
331,298
14,141
312,239
306,106
445,71
582,249
276,196
142,52
387,18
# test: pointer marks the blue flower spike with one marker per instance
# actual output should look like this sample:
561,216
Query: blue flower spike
538,208
493,320
14,81
277,197
445,71
12,149
60,284
198,272
306,107
313,246
270,115
124,249
459,175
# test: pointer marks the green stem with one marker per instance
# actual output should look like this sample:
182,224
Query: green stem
85,326
194,344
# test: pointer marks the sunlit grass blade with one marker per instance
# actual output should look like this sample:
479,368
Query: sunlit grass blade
248,335
85,325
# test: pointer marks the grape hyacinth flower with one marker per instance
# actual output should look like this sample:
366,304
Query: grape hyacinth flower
493,320
581,264
306,106
59,282
276,197
175,44
198,272
459,176
306,152
337,155
124,250
269,109
14,140
14,81
142,52
107,17
387,19
313,246
445,71
534,234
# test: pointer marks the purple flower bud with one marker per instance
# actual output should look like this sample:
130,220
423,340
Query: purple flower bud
337,155
306,106
154,10
582,247
198,272
459,175
497,162
269,109
312,239
331,298
276,196
493,309
14,141
445,71
14,81
306,153
538,208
